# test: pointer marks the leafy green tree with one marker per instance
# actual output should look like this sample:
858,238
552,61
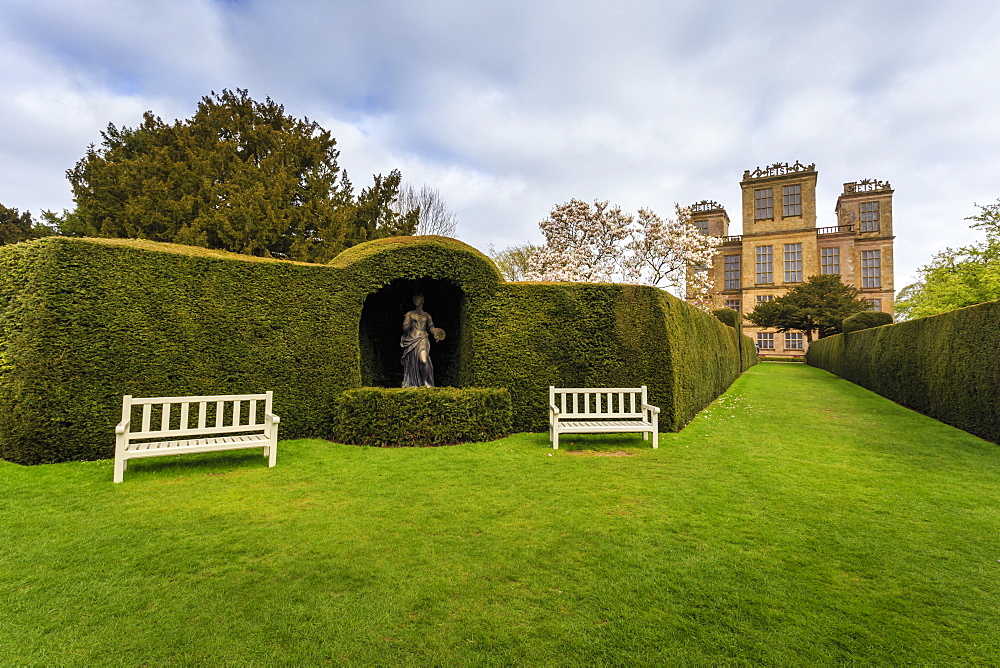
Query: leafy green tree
16,227
818,305
957,277
514,262
239,175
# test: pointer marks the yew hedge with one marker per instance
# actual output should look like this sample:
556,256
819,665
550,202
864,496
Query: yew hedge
84,321
946,366
422,416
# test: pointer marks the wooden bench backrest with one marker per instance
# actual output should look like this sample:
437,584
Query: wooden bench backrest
605,402
153,417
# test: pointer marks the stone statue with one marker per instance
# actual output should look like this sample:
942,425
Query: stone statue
418,330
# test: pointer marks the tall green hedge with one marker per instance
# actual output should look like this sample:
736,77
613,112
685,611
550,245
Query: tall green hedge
729,316
707,357
603,335
946,366
84,321
866,319
534,335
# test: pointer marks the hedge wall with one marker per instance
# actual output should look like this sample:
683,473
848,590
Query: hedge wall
728,316
864,320
84,321
535,334
946,366
600,335
748,349
707,357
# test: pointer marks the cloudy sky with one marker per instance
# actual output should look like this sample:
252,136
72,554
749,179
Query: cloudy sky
509,108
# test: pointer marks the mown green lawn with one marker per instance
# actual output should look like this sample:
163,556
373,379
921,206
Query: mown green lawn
800,519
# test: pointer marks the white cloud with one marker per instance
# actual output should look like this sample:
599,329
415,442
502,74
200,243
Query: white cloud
510,108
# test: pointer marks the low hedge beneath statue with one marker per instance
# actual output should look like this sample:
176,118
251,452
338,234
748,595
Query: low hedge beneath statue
422,416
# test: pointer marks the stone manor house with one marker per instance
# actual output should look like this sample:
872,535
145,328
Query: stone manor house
781,246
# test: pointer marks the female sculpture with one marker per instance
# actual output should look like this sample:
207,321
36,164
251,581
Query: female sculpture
418,330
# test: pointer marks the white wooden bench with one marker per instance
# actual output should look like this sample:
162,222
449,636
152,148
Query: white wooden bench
589,410
197,424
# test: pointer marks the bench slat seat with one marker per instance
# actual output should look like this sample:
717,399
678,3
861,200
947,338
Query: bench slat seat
195,445
218,422
589,410
603,425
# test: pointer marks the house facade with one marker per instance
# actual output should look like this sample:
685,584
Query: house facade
781,245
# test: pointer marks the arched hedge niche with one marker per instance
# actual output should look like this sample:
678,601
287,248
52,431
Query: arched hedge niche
381,327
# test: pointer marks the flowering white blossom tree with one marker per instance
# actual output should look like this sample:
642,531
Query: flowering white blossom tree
601,243
582,243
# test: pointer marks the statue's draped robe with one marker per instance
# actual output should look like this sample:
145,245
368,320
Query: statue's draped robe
416,338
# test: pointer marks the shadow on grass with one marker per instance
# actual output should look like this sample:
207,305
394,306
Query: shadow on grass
213,463
603,443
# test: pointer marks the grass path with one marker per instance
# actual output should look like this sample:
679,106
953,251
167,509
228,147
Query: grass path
799,519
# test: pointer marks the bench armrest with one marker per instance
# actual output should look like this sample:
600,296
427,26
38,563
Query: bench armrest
122,427
272,418
651,407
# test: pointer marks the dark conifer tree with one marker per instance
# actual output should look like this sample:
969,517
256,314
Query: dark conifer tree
239,175
818,305
16,227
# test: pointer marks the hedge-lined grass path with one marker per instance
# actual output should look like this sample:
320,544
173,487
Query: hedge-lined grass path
798,520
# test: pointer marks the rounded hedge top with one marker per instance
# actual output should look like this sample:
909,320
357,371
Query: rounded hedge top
148,246
370,250
373,264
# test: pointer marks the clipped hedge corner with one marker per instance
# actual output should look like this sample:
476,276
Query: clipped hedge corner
729,316
425,416
866,320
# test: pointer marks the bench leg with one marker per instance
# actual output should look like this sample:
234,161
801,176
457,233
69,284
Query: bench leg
656,438
271,452
119,469
555,439
645,435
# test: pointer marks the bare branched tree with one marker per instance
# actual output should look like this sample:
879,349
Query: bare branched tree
435,218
